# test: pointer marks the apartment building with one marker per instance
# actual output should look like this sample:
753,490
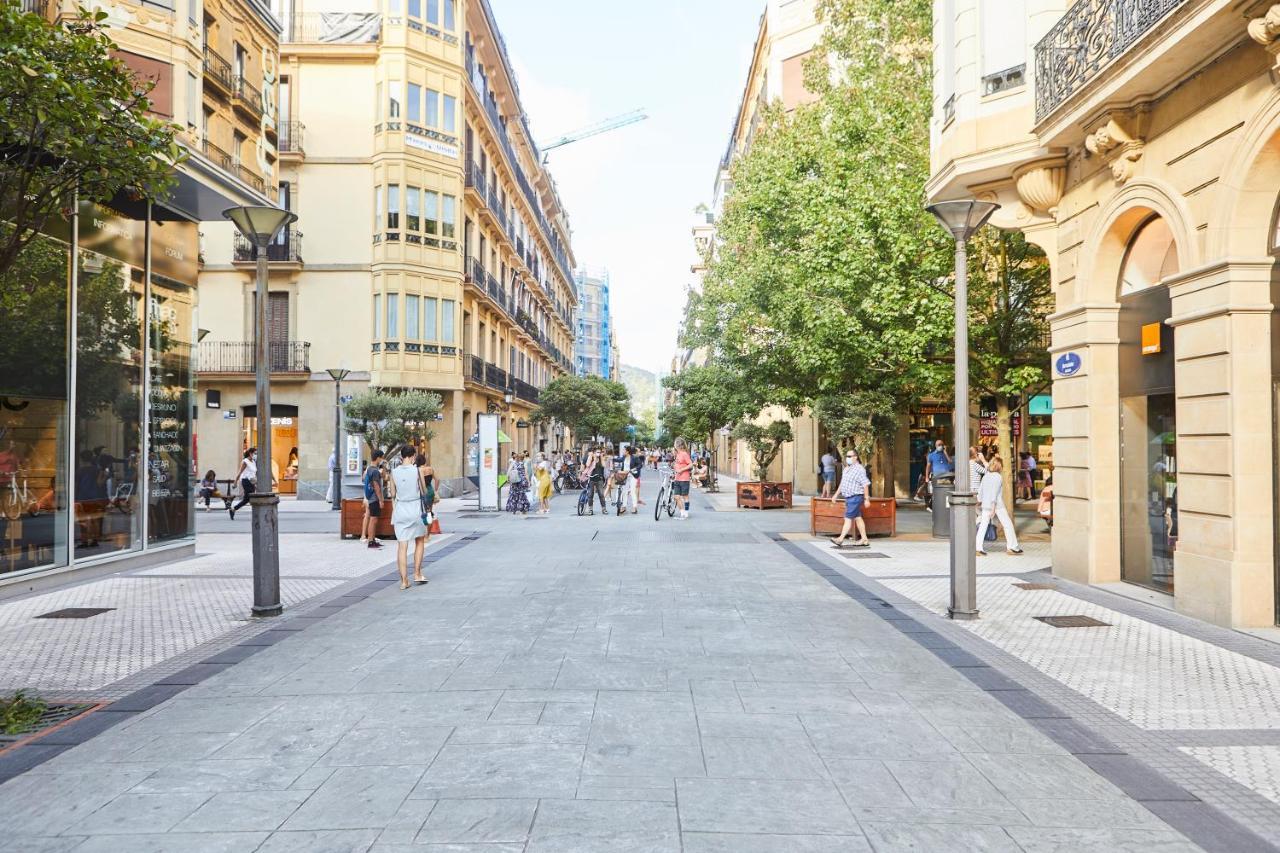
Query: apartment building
431,251
98,427
593,344
1135,142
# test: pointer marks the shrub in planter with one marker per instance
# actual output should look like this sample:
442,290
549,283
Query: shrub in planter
765,443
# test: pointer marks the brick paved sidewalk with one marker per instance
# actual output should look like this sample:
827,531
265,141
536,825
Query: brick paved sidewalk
605,684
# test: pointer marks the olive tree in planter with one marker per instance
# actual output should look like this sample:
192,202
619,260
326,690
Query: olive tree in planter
765,443
385,419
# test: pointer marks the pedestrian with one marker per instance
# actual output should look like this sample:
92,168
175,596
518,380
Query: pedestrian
854,487
635,461
827,467
372,500
991,502
332,469
1026,469
542,476
518,486
528,468
247,477
428,488
596,475
208,487
977,468
682,469
939,462
408,516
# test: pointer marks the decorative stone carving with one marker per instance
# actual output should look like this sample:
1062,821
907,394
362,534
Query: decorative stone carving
1266,30
1118,141
1041,184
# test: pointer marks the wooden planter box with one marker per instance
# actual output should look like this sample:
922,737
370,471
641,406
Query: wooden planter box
766,495
880,515
353,514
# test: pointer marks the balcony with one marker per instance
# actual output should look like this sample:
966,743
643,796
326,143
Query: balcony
1090,37
218,157
217,74
239,357
475,178
287,249
291,138
250,177
246,98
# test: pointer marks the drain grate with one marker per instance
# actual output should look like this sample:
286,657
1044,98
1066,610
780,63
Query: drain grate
74,613
1074,621
1030,586
53,715
863,555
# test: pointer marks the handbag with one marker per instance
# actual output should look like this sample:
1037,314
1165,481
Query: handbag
434,528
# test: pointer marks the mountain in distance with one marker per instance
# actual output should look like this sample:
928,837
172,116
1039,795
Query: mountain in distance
643,386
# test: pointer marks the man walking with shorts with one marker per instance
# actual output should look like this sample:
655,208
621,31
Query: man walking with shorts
854,485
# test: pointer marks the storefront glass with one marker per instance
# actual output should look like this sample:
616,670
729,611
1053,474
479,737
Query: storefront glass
33,408
75,369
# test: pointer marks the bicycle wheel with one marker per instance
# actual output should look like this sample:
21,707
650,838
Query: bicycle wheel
582,507
671,504
657,506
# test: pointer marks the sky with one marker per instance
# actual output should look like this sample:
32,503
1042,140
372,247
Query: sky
631,193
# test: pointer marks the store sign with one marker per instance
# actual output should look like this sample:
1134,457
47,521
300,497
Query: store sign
1151,338
988,424
1068,364
175,246
432,146
352,462
228,415
1040,405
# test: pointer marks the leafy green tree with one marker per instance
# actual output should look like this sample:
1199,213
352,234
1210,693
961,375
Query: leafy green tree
386,419
710,397
588,405
764,442
864,419
75,121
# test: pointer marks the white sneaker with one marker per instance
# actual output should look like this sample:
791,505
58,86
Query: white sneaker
684,514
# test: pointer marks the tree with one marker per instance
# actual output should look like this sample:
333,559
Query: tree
865,418
588,405
824,280
710,397
764,442
386,419
75,122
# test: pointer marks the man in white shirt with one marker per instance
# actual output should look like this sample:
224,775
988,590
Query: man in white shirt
854,486
828,465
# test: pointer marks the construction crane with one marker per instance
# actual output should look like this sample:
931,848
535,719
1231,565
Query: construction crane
594,130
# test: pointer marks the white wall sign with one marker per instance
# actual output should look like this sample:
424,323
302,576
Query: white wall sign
431,145
352,461
488,434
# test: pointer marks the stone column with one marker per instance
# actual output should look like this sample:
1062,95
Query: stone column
1224,570
1086,444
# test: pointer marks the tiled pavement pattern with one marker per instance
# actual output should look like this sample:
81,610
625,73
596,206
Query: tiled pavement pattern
1199,704
596,684
163,617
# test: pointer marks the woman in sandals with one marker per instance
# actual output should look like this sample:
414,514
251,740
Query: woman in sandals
407,490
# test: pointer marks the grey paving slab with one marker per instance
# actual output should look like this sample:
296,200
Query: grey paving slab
761,758
355,798
893,838
503,770
583,826
372,743
243,811
329,841
478,821
721,842
173,842
136,813
757,806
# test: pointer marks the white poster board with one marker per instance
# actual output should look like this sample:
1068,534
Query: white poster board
351,465
488,452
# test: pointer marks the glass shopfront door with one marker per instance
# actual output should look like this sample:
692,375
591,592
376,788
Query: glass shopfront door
1148,490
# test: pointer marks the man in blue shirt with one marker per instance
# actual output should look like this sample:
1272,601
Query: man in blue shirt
940,463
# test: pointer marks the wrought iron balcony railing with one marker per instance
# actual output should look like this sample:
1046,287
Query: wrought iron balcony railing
285,249
1091,35
219,157
218,71
245,93
240,357
290,139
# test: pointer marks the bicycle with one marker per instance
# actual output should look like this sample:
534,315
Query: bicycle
15,502
666,498
620,488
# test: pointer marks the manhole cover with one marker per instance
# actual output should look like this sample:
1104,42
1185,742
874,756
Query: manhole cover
1030,586
74,613
1072,621
863,555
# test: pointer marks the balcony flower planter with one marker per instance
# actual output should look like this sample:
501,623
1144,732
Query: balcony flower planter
880,515
764,495
353,514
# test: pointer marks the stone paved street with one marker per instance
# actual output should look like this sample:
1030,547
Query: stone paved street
604,684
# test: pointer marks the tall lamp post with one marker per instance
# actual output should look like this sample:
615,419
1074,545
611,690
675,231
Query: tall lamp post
962,219
335,476
260,225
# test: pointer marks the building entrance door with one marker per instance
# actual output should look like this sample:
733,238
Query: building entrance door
1148,490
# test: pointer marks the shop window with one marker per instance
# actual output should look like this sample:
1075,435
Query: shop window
1151,257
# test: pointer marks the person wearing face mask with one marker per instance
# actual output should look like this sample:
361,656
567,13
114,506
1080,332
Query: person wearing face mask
854,485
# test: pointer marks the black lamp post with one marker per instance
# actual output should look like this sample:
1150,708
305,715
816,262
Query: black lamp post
335,476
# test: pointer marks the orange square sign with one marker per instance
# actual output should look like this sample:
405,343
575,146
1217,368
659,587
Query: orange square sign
1151,338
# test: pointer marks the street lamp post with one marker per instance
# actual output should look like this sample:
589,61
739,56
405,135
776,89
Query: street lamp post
335,476
260,225
962,219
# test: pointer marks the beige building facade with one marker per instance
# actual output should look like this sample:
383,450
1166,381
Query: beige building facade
431,250
1139,145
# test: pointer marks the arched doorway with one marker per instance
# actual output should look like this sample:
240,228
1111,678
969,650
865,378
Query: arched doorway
1148,424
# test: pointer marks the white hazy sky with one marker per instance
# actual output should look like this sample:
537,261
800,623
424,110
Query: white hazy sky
631,193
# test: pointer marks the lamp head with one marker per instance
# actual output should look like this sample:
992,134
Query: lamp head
259,225
337,374
963,218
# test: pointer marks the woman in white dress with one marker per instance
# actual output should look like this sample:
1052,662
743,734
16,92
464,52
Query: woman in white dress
406,494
